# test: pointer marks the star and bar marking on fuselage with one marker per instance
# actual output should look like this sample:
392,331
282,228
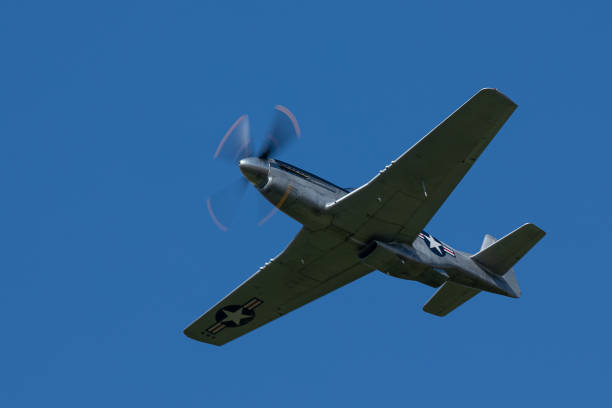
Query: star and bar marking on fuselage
437,247
234,315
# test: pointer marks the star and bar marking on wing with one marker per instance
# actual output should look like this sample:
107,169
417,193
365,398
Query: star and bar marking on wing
437,247
234,315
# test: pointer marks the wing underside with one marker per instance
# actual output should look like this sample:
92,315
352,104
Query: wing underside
402,198
314,264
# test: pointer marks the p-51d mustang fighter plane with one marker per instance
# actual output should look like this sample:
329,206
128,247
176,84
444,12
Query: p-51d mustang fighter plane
348,234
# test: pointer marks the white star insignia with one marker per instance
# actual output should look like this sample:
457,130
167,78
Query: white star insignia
433,243
235,317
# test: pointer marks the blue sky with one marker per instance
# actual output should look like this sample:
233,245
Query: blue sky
111,113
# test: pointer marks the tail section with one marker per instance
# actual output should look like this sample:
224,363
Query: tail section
499,257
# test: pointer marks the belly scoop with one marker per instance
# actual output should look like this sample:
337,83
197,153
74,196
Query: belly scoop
401,261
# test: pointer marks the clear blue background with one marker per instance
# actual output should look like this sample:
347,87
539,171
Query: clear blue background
110,115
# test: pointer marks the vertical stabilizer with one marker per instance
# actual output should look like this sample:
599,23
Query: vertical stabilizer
487,241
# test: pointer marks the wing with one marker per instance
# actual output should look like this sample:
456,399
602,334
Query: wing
314,263
402,198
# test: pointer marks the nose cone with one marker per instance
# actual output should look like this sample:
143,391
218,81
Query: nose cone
255,170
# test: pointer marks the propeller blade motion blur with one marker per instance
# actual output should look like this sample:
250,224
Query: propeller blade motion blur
277,206
223,205
236,143
285,129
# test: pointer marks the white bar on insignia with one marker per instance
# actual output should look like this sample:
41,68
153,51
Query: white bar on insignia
253,304
250,303
215,328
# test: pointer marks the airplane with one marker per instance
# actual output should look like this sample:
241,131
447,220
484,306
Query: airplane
347,234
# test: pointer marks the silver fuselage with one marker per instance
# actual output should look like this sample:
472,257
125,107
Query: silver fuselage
305,197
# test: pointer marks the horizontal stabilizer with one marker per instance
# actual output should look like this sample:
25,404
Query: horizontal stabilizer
501,255
450,296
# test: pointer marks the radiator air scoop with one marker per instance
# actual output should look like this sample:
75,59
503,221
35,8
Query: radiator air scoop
401,261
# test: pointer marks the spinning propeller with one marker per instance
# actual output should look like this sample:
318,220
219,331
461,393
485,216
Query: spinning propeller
236,148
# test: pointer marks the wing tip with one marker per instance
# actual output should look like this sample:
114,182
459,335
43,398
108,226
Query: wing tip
194,335
434,312
187,331
496,92
535,229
